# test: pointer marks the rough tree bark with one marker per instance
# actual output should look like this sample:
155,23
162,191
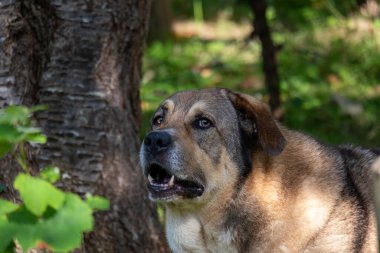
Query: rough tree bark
268,51
83,59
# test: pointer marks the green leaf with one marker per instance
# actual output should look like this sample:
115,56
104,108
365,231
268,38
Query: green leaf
22,216
97,202
29,130
63,232
7,207
27,236
9,133
8,231
37,194
5,147
50,174
32,134
36,138
21,226
37,108
15,114
11,248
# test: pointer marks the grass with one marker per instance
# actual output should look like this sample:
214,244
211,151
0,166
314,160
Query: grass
337,59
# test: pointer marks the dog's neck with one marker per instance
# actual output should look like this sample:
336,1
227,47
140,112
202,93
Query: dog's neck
212,227
189,231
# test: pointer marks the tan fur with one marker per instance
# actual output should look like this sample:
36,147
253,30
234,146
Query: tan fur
292,197
202,228
295,194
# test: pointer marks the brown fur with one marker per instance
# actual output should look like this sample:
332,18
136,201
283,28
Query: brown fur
266,188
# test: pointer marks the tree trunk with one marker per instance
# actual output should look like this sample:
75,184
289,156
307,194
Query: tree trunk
360,3
83,60
268,51
161,19
18,73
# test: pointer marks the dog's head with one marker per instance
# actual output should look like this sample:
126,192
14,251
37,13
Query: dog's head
202,142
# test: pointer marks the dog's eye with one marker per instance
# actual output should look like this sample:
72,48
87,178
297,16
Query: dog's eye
203,123
158,120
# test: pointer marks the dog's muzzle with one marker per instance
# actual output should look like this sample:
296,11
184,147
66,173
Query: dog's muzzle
166,178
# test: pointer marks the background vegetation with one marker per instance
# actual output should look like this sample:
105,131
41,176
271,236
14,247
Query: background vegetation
328,59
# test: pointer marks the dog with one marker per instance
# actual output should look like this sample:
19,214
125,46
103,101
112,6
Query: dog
233,179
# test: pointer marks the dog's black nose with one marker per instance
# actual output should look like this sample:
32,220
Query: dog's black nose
157,141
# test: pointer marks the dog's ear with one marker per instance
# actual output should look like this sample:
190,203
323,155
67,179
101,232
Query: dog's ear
255,119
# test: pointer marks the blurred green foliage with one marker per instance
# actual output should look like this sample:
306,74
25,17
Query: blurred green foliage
314,74
290,14
301,14
211,9
329,63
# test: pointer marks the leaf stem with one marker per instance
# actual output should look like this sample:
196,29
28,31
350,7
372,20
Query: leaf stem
21,157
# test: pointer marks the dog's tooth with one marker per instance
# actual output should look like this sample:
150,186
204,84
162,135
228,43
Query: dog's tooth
150,179
171,182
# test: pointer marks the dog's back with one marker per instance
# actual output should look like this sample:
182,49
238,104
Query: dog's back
318,198
354,211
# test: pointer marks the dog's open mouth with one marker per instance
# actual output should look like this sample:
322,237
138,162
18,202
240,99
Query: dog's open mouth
164,185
